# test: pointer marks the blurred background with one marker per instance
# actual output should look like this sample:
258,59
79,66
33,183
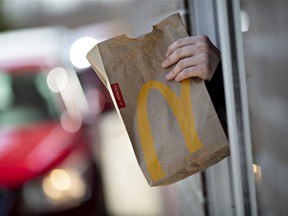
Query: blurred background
63,149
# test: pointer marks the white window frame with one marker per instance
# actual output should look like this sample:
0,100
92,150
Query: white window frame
230,183
237,107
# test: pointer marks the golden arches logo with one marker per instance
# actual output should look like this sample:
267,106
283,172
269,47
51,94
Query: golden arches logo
182,110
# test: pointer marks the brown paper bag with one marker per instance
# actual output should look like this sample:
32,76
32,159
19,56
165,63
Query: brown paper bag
173,127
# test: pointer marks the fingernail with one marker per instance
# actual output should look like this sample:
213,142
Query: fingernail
168,76
163,63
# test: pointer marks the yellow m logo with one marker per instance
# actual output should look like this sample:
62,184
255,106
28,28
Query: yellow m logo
182,109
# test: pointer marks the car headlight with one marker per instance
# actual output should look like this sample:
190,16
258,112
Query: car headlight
62,188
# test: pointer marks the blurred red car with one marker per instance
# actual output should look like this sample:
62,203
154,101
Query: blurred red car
45,150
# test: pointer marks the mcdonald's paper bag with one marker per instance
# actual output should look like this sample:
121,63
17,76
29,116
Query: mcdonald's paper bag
173,127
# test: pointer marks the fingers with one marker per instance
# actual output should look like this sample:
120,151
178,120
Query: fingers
197,66
182,42
178,54
192,56
184,47
180,66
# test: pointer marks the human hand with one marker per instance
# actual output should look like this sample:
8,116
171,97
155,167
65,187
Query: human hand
194,56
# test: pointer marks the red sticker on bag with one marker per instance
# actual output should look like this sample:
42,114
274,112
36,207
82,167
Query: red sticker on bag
118,95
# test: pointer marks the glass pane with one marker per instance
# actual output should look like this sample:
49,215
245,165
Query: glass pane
25,98
265,33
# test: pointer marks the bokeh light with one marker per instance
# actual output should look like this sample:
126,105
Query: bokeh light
79,50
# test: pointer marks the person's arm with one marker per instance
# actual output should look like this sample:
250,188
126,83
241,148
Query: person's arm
194,56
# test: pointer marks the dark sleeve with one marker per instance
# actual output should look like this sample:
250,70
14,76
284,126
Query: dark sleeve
215,89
